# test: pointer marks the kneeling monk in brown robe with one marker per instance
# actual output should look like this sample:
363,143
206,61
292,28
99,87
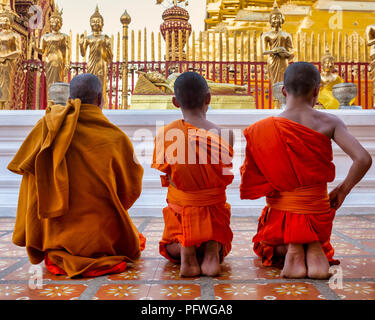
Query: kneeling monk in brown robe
79,180
289,160
197,162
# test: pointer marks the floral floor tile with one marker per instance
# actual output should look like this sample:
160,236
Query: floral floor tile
6,263
343,248
168,270
140,270
28,270
122,292
267,291
155,226
242,250
370,244
47,292
363,234
6,237
247,269
357,291
358,267
175,292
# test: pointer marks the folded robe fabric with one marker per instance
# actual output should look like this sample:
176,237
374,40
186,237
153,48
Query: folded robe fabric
197,165
291,165
79,180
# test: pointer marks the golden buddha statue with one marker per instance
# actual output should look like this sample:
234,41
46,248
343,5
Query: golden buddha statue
101,54
156,83
55,48
329,79
10,52
278,45
370,34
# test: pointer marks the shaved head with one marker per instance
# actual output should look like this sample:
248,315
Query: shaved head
87,88
301,78
191,90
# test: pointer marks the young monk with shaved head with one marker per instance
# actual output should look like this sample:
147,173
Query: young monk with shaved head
79,179
195,155
289,160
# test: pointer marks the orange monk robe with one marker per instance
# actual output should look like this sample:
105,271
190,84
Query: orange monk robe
79,180
291,165
197,211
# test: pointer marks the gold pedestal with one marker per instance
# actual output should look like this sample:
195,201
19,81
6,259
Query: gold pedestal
164,102
151,102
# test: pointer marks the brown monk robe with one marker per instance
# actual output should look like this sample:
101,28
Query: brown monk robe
79,180
197,161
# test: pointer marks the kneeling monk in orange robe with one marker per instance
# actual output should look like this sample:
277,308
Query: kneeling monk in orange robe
196,160
289,160
79,180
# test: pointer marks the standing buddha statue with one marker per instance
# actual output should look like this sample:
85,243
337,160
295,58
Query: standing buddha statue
10,52
55,48
101,54
278,45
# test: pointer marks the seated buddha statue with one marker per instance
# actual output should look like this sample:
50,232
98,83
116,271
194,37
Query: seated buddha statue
329,79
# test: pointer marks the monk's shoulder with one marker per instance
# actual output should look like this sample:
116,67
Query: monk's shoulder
111,134
177,124
213,126
327,119
259,125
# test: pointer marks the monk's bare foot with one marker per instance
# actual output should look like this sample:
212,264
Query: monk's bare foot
189,263
174,250
295,265
281,251
317,263
211,261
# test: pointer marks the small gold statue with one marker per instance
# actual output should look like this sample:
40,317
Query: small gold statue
101,54
329,79
278,45
55,48
370,33
10,52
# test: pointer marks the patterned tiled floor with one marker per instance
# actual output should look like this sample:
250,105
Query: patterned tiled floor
242,277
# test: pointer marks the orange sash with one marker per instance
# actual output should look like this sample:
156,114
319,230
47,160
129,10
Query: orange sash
195,217
305,200
198,198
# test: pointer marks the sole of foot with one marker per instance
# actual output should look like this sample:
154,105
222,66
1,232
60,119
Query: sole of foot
211,261
189,264
317,263
295,265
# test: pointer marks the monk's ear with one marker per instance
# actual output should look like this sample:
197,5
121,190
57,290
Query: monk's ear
283,90
175,102
208,99
316,92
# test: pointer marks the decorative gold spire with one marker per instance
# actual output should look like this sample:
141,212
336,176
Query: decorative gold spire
327,54
57,13
125,18
276,9
97,14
